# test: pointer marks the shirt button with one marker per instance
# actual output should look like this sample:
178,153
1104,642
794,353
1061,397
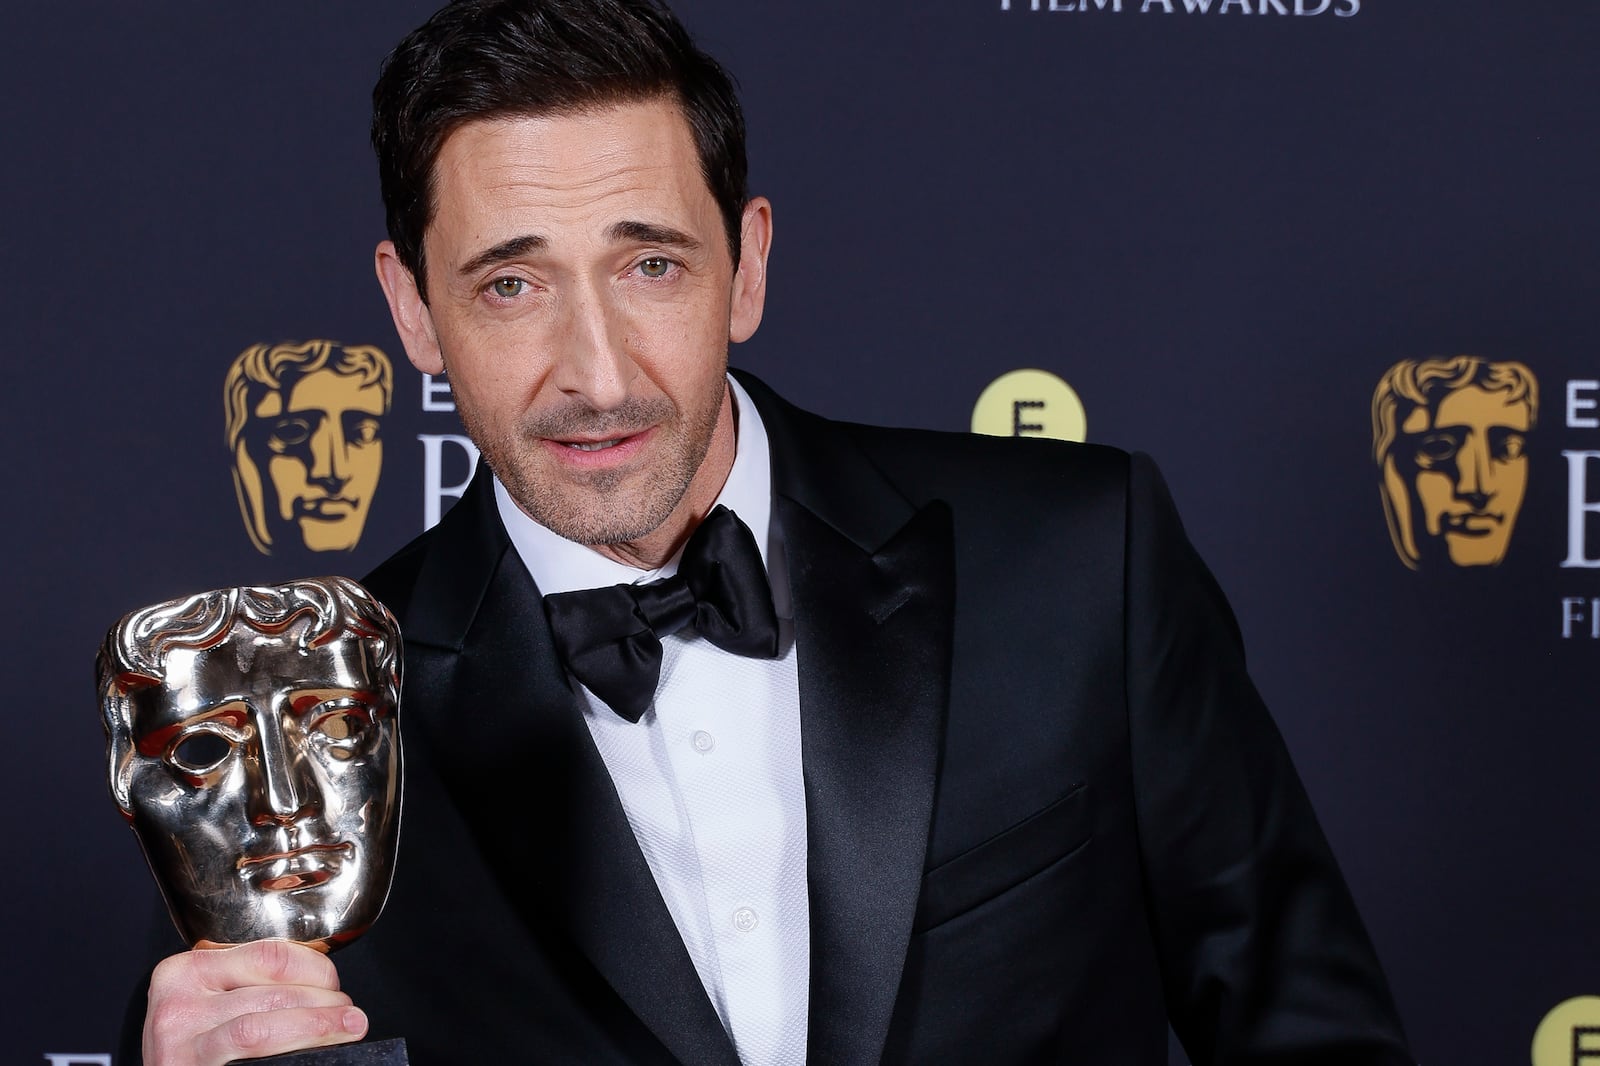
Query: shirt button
744,919
702,741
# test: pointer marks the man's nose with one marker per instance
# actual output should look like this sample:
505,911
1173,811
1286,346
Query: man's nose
283,790
591,360
330,455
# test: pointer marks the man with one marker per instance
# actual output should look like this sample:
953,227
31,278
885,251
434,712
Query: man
921,813
1449,436
304,425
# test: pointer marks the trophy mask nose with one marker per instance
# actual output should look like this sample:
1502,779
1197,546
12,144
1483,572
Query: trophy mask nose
284,790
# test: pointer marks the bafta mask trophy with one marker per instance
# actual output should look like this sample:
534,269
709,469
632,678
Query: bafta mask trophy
254,746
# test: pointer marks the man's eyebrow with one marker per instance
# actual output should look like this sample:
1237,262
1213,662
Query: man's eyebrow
652,233
627,231
503,252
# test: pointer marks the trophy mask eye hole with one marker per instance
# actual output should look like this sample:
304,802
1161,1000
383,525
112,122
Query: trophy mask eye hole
199,751
341,726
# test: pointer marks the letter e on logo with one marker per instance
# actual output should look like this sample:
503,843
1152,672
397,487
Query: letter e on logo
1569,1034
1030,403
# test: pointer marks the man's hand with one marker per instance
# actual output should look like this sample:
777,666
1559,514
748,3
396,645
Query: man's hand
212,1005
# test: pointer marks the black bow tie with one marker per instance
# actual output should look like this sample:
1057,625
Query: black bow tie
610,638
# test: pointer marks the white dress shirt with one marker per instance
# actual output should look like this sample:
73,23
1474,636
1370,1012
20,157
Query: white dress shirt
710,777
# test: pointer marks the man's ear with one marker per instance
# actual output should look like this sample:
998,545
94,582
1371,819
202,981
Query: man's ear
412,319
750,280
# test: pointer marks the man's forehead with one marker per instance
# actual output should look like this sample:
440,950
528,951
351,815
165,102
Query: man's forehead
566,135
496,178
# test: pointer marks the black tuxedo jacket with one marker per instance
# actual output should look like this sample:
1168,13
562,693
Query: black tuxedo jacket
1046,808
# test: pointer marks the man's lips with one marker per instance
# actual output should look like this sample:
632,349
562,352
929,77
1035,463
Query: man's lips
592,452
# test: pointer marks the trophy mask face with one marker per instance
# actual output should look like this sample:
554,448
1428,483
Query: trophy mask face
262,777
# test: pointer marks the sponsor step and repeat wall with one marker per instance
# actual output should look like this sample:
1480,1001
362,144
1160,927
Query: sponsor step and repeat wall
1334,263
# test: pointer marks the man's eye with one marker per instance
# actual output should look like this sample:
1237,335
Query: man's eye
655,267
288,432
508,288
200,752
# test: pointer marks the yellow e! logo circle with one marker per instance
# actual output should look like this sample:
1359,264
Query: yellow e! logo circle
1030,403
1569,1034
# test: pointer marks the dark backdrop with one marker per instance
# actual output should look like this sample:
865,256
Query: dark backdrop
1221,228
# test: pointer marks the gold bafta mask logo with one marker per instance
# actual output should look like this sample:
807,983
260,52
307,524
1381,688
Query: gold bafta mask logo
1450,438
304,429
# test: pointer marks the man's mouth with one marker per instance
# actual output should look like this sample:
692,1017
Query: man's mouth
605,452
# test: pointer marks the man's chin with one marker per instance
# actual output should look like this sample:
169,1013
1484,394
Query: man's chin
598,507
600,527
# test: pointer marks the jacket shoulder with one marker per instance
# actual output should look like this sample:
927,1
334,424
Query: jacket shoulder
393,580
925,464
972,468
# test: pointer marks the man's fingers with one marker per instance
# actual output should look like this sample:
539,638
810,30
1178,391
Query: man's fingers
264,999
275,1032
208,1007
262,962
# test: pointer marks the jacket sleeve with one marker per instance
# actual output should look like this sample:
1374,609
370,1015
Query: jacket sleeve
1264,957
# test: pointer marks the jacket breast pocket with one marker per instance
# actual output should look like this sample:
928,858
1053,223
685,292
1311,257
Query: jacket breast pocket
1005,860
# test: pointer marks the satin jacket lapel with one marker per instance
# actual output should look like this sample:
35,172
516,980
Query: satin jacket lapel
873,581
516,753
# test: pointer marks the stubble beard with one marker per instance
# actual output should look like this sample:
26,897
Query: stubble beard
598,508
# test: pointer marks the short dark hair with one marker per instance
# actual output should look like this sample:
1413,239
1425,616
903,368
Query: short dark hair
480,59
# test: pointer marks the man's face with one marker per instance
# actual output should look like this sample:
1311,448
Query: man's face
1466,465
581,297
264,786
321,448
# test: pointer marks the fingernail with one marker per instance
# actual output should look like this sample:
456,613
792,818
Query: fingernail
354,1021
